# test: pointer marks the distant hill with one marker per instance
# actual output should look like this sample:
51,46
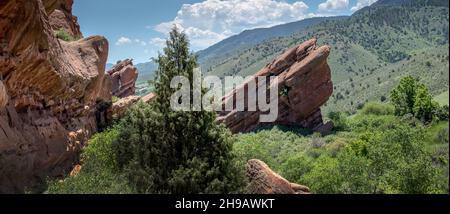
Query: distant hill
371,51
255,36
146,70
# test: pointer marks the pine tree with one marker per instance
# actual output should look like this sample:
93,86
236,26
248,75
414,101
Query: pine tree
166,151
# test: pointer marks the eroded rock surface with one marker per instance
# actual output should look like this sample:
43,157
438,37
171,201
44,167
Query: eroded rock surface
61,18
304,83
262,180
123,76
52,88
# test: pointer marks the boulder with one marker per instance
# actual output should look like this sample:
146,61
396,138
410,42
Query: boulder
53,89
123,76
262,180
304,77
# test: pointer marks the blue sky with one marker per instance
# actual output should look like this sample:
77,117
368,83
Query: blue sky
137,28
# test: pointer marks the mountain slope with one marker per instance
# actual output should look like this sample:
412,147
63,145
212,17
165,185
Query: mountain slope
252,37
371,50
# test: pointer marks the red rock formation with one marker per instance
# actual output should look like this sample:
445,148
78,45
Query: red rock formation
119,108
262,180
303,73
3,95
53,90
61,17
124,76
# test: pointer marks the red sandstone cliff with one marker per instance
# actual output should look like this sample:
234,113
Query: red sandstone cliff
51,91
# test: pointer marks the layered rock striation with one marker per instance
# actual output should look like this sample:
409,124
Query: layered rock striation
304,85
52,92
123,76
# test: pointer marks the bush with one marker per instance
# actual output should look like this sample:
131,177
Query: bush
115,99
64,35
412,97
442,113
340,121
376,108
99,171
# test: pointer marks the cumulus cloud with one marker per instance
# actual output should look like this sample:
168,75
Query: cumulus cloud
123,40
158,42
331,5
362,3
211,21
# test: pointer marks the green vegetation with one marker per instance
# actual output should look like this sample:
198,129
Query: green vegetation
64,35
115,99
391,136
442,98
377,154
371,51
159,150
412,97
99,170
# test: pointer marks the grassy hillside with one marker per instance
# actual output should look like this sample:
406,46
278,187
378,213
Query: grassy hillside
371,50
255,36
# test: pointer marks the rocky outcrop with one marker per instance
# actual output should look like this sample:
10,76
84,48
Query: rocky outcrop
61,18
262,180
119,108
54,92
304,83
123,76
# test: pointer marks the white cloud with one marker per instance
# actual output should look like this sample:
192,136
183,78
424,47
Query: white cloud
211,21
123,40
331,5
158,42
362,3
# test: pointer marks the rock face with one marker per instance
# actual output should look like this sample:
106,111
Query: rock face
61,17
305,78
262,180
3,95
51,92
123,76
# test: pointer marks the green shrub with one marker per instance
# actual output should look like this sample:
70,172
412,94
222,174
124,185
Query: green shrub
64,35
99,170
376,108
115,99
412,97
339,120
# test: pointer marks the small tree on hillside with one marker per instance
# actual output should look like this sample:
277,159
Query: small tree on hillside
412,97
165,151
403,96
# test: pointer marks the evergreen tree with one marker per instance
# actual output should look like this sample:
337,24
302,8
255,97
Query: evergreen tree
165,151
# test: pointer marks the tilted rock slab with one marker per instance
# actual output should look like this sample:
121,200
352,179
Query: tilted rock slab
54,93
304,76
123,76
262,180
